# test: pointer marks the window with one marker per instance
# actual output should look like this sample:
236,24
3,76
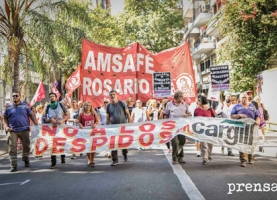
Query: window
208,64
202,66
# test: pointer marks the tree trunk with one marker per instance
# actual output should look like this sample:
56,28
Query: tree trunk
14,48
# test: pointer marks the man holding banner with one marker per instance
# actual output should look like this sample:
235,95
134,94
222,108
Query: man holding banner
241,111
56,114
177,108
116,114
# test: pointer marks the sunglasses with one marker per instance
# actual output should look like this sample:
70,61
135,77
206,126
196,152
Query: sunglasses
105,102
16,95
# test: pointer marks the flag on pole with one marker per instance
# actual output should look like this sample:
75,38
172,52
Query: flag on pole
39,95
55,90
74,81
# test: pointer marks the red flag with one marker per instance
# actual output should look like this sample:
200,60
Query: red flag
39,95
56,91
74,80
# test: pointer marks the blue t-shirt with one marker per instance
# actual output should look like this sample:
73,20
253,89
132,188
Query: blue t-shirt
250,111
18,116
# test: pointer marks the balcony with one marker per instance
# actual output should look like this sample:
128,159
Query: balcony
205,46
202,19
196,57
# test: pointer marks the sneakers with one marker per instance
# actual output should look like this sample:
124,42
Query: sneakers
13,169
53,167
63,161
169,151
210,158
230,154
181,160
73,157
27,163
81,155
251,162
114,163
198,154
174,162
125,158
204,162
243,164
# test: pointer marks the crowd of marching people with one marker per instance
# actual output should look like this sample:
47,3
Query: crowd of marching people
18,115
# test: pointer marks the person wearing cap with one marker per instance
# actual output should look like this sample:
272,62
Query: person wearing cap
177,108
241,111
251,100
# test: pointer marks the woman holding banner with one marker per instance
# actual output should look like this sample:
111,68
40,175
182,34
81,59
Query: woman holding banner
88,118
204,110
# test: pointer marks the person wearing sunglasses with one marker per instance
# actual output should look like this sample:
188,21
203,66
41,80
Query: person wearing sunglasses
17,122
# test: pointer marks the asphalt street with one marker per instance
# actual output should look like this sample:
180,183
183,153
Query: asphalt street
148,174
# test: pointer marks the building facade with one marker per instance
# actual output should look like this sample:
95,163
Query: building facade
200,18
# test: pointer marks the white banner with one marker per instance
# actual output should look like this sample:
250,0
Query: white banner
236,134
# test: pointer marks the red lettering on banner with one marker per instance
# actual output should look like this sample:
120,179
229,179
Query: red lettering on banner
80,143
70,131
149,142
124,131
165,137
95,143
100,131
121,138
41,142
48,130
186,130
112,142
168,125
144,127
58,142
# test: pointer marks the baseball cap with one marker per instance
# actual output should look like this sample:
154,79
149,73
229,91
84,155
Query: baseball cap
249,91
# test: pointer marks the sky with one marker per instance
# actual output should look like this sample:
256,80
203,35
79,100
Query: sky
117,6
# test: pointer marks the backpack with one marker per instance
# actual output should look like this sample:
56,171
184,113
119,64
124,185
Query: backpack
47,109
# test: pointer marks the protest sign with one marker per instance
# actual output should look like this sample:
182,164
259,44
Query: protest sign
220,79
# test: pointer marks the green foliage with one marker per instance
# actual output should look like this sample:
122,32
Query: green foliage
45,36
155,24
250,27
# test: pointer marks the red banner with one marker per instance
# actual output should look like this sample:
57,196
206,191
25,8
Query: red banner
39,95
129,71
74,80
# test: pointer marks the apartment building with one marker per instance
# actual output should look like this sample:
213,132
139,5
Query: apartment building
200,18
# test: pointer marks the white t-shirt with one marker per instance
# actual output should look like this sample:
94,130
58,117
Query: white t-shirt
139,114
39,117
72,113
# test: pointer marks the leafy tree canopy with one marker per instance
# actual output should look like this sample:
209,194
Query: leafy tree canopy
250,27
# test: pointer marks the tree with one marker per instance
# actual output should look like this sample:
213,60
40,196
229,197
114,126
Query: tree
250,28
155,24
31,25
